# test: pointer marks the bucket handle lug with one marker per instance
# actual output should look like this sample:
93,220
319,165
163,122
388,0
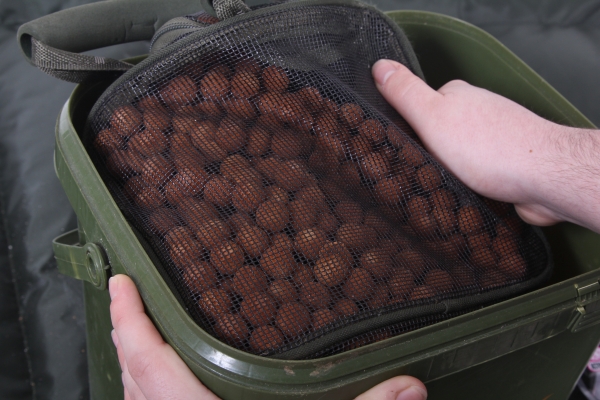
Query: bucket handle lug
87,262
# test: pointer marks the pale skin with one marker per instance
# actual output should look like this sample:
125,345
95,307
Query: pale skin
500,149
151,370
493,145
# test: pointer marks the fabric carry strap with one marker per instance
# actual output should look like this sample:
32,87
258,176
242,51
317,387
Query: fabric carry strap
52,43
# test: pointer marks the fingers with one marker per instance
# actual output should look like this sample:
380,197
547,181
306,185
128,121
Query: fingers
148,363
406,92
398,388
536,214
132,390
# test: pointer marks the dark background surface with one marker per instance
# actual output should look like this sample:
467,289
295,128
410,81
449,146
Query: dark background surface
42,326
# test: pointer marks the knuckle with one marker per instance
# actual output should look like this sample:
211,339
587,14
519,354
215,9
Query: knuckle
140,365
116,315
456,83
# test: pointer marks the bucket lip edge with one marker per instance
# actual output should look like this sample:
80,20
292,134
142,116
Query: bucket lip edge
218,355
328,358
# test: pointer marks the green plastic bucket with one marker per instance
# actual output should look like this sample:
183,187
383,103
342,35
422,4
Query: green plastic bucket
530,347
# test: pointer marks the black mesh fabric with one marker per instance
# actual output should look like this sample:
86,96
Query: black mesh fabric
290,205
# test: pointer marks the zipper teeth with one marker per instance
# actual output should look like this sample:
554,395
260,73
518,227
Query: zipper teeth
172,27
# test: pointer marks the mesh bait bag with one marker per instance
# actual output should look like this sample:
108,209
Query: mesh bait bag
294,212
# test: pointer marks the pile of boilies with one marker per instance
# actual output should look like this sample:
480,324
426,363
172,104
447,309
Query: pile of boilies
284,211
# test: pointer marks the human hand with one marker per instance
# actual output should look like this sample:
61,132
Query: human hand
500,149
152,369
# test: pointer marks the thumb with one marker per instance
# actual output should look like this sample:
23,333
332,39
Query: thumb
398,388
406,92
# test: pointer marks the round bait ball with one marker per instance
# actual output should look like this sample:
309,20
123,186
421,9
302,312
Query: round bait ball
352,115
232,327
227,258
286,145
239,170
331,269
310,241
239,220
470,220
445,219
483,258
230,136
377,262
513,266
392,190
443,199
162,220
505,243
240,108
281,239
248,65
199,277
215,85
215,302
283,291
349,212
258,309
247,196
195,211
356,237
380,298
293,319
245,84
429,177
396,137
248,280
218,191
156,170
126,120
440,280
212,233
422,292
259,141
346,307
412,156
272,215
266,338
492,279
181,90
292,175
303,214
463,276
359,285
375,166
323,317
144,195
327,223
303,275
149,103
402,283
107,141
315,295
253,240
278,261
275,79
372,130
412,260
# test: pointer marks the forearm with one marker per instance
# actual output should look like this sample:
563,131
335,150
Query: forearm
567,179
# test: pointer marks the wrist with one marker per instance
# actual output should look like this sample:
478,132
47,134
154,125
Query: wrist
565,181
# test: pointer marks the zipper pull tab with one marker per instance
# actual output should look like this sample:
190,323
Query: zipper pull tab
224,9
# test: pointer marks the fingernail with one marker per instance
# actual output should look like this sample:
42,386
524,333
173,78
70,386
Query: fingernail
383,69
412,393
114,337
112,287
